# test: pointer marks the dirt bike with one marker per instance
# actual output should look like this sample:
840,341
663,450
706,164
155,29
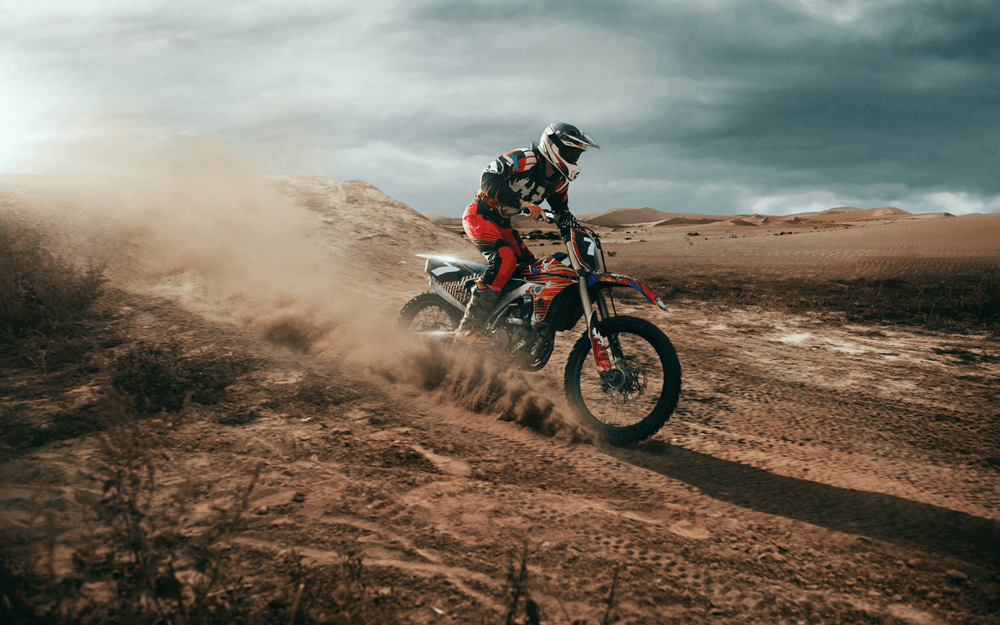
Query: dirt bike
630,384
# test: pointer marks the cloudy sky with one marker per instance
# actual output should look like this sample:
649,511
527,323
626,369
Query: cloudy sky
711,106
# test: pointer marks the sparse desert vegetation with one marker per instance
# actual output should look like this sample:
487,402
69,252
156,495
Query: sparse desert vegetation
46,301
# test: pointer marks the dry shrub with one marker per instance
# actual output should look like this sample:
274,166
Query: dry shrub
148,567
518,588
147,546
144,561
45,300
20,430
520,592
27,556
162,377
340,593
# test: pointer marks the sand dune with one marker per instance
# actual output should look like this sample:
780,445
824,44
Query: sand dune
650,217
849,214
616,217
681,221
838,210
441,219
889,210
370,224
675,221
647,217
181,219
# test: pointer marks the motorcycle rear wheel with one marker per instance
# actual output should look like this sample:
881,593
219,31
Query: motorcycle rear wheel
631,403
428,313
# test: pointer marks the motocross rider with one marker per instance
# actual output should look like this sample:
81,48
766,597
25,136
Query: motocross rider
515,183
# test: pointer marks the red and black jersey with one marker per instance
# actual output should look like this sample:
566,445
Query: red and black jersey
518,175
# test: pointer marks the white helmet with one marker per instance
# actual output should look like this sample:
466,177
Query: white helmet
562,144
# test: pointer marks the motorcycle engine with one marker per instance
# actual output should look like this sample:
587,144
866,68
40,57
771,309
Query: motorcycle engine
513,331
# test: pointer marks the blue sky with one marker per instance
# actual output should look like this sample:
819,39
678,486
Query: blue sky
711,106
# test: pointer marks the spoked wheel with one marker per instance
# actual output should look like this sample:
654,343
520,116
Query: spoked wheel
428,313
632,401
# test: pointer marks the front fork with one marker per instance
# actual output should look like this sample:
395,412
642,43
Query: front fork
604,358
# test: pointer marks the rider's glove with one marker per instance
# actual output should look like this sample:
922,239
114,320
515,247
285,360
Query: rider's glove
532,210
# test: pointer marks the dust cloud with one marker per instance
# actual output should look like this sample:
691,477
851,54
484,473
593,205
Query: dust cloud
191,221
484,386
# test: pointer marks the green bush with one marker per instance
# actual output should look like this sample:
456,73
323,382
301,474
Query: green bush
45,300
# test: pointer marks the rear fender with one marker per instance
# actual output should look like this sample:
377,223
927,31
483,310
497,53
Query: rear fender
611,279
452,292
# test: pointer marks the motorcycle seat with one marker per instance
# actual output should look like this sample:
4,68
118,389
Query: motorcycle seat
446,269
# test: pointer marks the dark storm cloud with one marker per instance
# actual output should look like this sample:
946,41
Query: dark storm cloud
901,93
910,99
707,105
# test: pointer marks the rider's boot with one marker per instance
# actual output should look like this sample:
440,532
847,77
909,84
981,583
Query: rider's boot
470,330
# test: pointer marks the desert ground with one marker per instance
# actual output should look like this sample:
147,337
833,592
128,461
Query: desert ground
818,469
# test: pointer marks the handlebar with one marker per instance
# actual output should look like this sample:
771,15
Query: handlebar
564,220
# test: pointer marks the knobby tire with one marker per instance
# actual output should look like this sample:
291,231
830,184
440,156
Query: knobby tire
644,336
447,319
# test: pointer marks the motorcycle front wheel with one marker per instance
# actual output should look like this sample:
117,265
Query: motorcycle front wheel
632,401
428,313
